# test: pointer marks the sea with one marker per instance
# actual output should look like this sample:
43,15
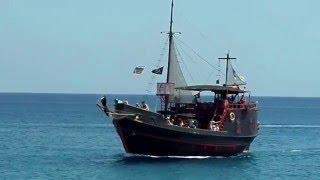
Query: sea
65,136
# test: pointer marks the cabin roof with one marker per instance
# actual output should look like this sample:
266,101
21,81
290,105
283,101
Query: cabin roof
213,88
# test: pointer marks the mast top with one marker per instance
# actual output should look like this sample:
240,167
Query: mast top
228,58
170,40
171,18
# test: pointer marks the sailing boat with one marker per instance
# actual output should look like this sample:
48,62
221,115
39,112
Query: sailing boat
183,126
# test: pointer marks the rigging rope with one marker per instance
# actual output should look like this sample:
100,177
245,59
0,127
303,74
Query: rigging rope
195,27
209,77
196,53
186,53
152,80
186,67
218,74
188,56
205,38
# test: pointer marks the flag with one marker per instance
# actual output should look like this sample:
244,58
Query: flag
138,70
157,71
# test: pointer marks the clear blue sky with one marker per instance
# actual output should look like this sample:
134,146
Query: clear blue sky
80,46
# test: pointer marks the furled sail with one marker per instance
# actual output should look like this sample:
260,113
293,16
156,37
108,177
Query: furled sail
233,77
176,77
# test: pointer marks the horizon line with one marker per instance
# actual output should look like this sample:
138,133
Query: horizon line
72,93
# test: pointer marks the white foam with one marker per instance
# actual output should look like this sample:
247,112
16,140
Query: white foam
245,151
296,150
174,157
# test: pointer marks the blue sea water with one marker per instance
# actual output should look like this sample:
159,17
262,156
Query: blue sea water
61,136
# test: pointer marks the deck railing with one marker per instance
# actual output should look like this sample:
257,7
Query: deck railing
242,106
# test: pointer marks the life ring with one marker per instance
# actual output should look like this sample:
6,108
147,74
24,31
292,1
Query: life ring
232,116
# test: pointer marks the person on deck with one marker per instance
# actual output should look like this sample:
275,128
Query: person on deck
103,102
169,120
145,106
232,98
126,102
242,100
196,98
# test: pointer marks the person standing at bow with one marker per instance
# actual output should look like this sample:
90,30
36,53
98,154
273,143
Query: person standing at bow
145,106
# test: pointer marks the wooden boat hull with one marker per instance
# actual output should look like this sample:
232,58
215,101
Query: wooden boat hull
147,139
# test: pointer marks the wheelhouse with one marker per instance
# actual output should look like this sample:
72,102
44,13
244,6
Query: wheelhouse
210,110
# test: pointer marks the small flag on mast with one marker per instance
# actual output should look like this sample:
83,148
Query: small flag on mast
158,70
138,70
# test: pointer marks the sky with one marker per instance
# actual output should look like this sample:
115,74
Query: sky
80,46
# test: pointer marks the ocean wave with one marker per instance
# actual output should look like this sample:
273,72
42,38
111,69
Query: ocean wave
68,125
289,126
290,107
296,150
5,130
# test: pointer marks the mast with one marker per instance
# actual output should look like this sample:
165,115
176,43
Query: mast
228,58
170,41
169,54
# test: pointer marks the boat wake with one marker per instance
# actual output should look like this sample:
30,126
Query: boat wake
171,157
183,157
244,154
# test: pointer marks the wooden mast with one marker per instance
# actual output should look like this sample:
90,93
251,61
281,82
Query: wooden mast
170,41
228,58
169,54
